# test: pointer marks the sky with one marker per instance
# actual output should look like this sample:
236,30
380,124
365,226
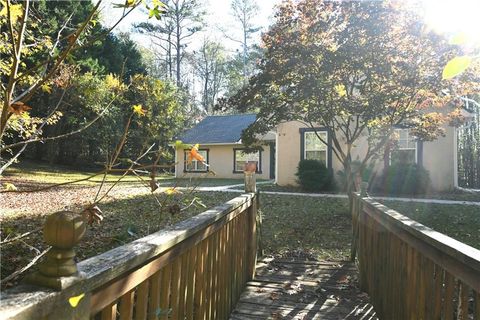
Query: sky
218,17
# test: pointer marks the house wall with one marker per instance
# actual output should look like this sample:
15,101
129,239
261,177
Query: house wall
438,156
221,162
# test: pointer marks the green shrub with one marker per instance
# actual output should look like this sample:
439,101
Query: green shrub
403,179
313,175
368,174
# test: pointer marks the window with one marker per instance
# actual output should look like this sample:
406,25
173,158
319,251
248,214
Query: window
314,148
195,165
406,150
241,158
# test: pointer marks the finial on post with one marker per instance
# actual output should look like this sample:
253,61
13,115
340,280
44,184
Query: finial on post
62,230
363,189
250,179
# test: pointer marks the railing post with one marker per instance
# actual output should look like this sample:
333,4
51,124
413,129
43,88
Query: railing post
251,187
62,230
356,208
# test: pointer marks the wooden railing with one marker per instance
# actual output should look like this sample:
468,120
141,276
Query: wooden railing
411,271
195,270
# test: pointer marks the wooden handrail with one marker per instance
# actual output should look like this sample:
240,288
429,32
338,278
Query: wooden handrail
410,270
206,244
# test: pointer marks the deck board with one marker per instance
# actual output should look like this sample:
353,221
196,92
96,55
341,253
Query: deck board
307,290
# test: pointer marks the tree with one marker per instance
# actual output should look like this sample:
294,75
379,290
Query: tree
39,43
244,11
209,62
358,68
182,20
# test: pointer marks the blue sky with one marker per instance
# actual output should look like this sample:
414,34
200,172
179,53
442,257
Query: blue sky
218,17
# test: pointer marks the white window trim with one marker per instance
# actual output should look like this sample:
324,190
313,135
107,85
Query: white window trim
305,144
235,169
196,162
397,149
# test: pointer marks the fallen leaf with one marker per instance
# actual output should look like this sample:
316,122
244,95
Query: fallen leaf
74,301
9,186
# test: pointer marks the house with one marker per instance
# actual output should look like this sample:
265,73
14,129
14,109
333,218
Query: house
294,142
220,143
219,139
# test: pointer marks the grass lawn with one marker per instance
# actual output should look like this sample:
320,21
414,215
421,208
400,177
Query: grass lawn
458,195
461,222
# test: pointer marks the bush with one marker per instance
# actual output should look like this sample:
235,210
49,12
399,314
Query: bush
368,174
313,175
403,179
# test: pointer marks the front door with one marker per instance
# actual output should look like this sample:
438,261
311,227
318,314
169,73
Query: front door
272,160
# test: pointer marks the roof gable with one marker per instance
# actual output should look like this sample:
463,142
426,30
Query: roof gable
218,129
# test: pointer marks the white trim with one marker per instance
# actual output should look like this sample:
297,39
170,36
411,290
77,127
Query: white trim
399,149
305,144
176,162
455,157
276,157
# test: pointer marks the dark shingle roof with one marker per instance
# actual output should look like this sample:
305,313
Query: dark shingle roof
218,129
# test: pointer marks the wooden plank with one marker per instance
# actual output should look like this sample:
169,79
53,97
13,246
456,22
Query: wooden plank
463,294
182,292
165,292
200,291
110,312
428,271
477,306
209,275
192,267
141,304
126,305
154,296
213,297
437,303
449,302
221,275
176,275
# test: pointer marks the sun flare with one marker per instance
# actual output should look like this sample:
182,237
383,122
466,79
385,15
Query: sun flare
454,17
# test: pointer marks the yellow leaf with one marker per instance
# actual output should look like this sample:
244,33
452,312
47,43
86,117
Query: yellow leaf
9,186
456,66
46,88
139,110
172,191
340,89
75,300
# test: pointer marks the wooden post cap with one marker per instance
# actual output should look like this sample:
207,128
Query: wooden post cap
63,229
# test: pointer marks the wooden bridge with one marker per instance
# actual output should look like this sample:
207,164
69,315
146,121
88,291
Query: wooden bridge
206,268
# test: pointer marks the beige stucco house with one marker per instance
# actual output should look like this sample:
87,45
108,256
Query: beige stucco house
294,142
220,143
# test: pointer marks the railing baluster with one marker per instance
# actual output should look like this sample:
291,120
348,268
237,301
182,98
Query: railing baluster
192,257
154,296
110,312
165,292
141,304
126,305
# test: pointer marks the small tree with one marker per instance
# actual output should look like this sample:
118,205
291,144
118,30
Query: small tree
358,68
35,55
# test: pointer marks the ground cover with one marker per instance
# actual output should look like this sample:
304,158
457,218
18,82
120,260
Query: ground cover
457,194
461,222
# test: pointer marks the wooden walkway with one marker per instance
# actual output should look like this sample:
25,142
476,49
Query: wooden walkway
298,289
